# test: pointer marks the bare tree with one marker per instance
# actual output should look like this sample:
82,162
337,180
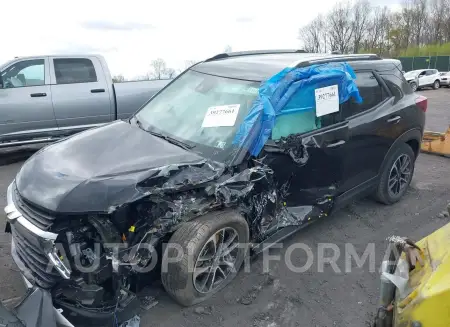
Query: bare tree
361,14
379,26
340,29
440,19
170,73
313,35
159,70
396,37
406,23
419,15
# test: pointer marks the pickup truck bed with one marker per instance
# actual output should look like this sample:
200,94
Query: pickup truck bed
45,98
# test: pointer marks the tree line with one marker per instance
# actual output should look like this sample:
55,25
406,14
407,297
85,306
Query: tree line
359,27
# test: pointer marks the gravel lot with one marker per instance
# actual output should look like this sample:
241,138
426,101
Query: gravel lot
282,297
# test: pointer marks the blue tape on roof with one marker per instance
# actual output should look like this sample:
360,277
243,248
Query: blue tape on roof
299,83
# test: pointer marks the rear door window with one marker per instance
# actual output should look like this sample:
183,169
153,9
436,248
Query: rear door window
371,91
74,70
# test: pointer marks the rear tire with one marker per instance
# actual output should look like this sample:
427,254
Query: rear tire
436,84
396,175
183,279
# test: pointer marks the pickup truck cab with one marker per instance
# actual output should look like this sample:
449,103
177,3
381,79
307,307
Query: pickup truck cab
49,97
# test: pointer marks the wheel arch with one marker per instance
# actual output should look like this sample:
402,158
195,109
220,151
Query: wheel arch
412,137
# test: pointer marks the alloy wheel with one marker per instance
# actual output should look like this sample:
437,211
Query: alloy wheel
216,260
414,87
400,175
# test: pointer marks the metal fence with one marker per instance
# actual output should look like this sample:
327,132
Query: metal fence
441,63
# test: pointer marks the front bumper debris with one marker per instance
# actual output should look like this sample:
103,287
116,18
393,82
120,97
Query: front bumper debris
39,308
35,310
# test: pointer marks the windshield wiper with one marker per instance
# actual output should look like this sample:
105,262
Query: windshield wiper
165,137
172,140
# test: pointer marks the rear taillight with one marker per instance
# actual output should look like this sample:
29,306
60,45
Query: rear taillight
422,102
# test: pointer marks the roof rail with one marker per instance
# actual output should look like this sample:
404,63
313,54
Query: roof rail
337,58
252,52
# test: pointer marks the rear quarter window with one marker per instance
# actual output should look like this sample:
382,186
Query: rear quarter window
396,85
371,91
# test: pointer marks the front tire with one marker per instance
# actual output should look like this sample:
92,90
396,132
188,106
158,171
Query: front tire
396,175
436,84
215,246
413,86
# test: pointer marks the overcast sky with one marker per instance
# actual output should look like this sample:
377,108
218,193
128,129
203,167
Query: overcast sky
131,33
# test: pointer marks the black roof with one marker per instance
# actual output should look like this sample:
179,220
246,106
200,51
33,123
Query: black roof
258,66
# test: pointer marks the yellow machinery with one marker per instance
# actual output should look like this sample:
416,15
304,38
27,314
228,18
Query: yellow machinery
423,300
436,143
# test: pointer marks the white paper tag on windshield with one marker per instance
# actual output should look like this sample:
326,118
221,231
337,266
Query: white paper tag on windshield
327,100
221,116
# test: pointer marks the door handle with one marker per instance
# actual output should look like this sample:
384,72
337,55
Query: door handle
37,95
97,90
335,144
394,120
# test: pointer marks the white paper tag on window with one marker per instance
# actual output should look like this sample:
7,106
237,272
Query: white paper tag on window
327,100
221,116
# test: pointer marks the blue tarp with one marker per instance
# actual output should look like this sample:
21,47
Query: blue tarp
291,83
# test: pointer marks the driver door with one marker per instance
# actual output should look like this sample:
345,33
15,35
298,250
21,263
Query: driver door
26,109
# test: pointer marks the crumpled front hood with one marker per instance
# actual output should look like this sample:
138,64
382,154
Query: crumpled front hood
105,167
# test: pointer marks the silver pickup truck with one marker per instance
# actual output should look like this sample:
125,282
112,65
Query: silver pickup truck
46,98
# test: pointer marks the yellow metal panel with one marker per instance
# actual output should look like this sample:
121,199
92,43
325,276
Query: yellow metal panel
436,143
429,299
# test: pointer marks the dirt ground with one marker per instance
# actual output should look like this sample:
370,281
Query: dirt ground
281,297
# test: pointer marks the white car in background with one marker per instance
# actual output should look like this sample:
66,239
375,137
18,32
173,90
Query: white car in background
445,78
423,78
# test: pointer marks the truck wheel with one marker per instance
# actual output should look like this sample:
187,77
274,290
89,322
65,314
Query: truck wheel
436,84
396,175
413,86
214,247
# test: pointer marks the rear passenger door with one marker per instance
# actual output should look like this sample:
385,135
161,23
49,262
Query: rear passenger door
79,93
374,125
431,76
423,78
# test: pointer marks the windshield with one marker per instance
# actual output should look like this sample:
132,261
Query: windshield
201,110
412,74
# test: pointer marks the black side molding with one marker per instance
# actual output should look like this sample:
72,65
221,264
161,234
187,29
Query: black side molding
38,95
97,90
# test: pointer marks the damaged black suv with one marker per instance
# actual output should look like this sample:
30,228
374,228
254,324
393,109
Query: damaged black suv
201,167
